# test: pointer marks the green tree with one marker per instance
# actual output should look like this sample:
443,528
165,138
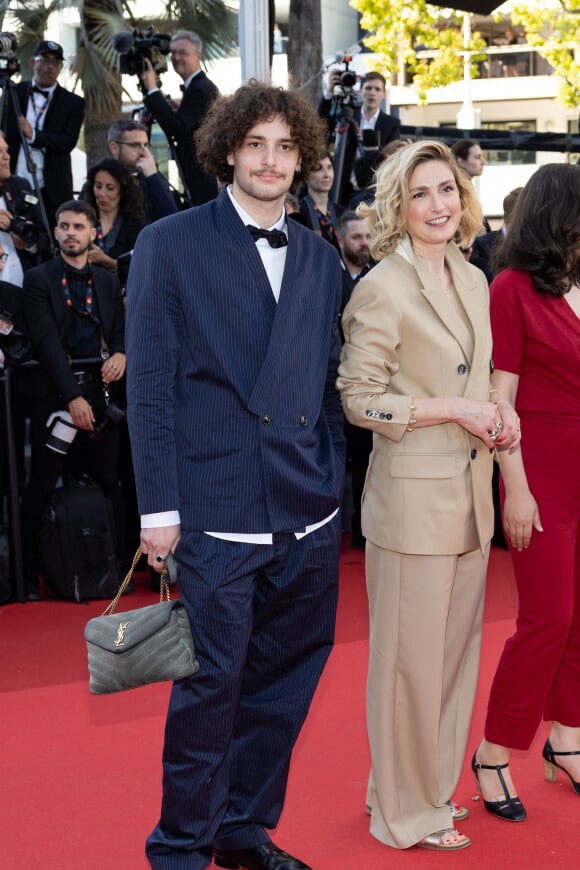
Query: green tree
96,65
400,28
553,26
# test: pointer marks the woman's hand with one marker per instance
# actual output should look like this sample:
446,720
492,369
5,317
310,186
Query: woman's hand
113,368
520,516
98,257
482,419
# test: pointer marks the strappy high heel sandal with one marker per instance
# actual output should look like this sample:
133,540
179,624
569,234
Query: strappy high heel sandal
511,809
551,766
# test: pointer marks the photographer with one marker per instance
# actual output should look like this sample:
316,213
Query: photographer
50,119
369,128
179,121
73,310
22,236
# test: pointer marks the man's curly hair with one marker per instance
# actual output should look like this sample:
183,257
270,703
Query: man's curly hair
229,119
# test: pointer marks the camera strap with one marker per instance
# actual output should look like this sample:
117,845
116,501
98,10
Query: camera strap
105,354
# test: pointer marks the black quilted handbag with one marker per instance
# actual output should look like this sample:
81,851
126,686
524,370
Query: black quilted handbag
137,647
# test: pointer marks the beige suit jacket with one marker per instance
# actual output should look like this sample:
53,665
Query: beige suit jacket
427,491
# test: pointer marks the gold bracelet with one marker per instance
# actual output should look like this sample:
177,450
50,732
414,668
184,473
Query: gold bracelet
412,422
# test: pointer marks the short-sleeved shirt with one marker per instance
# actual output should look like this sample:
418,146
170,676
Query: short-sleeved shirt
538,338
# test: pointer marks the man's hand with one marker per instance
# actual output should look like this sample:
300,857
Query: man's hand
18,243
158,543
81,413
113,368
146,164
25,127
148,76
5,220
334,77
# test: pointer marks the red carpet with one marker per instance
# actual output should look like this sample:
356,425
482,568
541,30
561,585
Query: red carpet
80,777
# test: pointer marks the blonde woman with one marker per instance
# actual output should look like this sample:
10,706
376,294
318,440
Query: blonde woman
416,370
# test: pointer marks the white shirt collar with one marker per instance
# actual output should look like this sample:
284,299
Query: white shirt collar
370,123
247,219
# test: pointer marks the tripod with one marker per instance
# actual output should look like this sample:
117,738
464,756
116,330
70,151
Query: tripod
343,110
9,98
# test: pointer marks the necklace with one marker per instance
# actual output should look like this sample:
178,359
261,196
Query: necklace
89,304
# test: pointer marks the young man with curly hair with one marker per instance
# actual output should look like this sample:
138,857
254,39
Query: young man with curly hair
238,448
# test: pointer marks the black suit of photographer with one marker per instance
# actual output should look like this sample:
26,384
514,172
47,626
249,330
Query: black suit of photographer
179,128
50,323
58,137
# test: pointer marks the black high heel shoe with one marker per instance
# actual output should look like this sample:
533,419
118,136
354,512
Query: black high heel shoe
511,809
551,766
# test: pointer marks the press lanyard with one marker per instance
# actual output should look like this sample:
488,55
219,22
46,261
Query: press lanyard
89,304
38,110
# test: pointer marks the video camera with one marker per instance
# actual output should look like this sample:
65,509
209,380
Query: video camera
344,91
137,46
9,63
26,230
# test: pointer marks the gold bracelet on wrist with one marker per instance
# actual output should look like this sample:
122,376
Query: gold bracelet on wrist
412,422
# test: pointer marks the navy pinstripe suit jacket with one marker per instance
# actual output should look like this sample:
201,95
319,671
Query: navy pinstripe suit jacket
233,412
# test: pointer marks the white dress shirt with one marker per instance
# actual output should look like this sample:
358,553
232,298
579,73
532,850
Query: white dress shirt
35,115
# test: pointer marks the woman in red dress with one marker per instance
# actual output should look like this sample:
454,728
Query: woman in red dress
535,314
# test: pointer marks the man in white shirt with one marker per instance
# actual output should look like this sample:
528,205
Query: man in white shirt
367,117
238,448
49,120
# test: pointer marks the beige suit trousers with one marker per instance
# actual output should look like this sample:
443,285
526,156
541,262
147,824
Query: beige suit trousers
425,637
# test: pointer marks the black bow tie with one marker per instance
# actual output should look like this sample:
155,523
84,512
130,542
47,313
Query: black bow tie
276,238
36,90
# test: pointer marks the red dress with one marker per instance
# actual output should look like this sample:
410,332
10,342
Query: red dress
538,338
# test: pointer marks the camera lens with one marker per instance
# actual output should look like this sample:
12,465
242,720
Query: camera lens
348,79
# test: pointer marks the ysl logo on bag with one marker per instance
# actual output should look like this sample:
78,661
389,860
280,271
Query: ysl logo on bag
121,629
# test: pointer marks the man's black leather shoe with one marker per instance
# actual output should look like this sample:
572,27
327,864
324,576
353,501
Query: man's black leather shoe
264,857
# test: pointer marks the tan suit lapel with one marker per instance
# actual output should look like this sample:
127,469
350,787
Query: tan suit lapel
465,282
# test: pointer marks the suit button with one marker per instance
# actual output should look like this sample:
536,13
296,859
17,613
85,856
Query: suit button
303,421
266,420
461,369
473,453
389,416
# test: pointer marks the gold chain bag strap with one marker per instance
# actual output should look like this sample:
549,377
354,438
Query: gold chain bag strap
137,647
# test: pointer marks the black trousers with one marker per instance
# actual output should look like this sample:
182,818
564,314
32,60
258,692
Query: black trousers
99,459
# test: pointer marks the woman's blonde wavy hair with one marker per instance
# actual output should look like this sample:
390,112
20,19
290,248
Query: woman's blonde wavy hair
387,214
